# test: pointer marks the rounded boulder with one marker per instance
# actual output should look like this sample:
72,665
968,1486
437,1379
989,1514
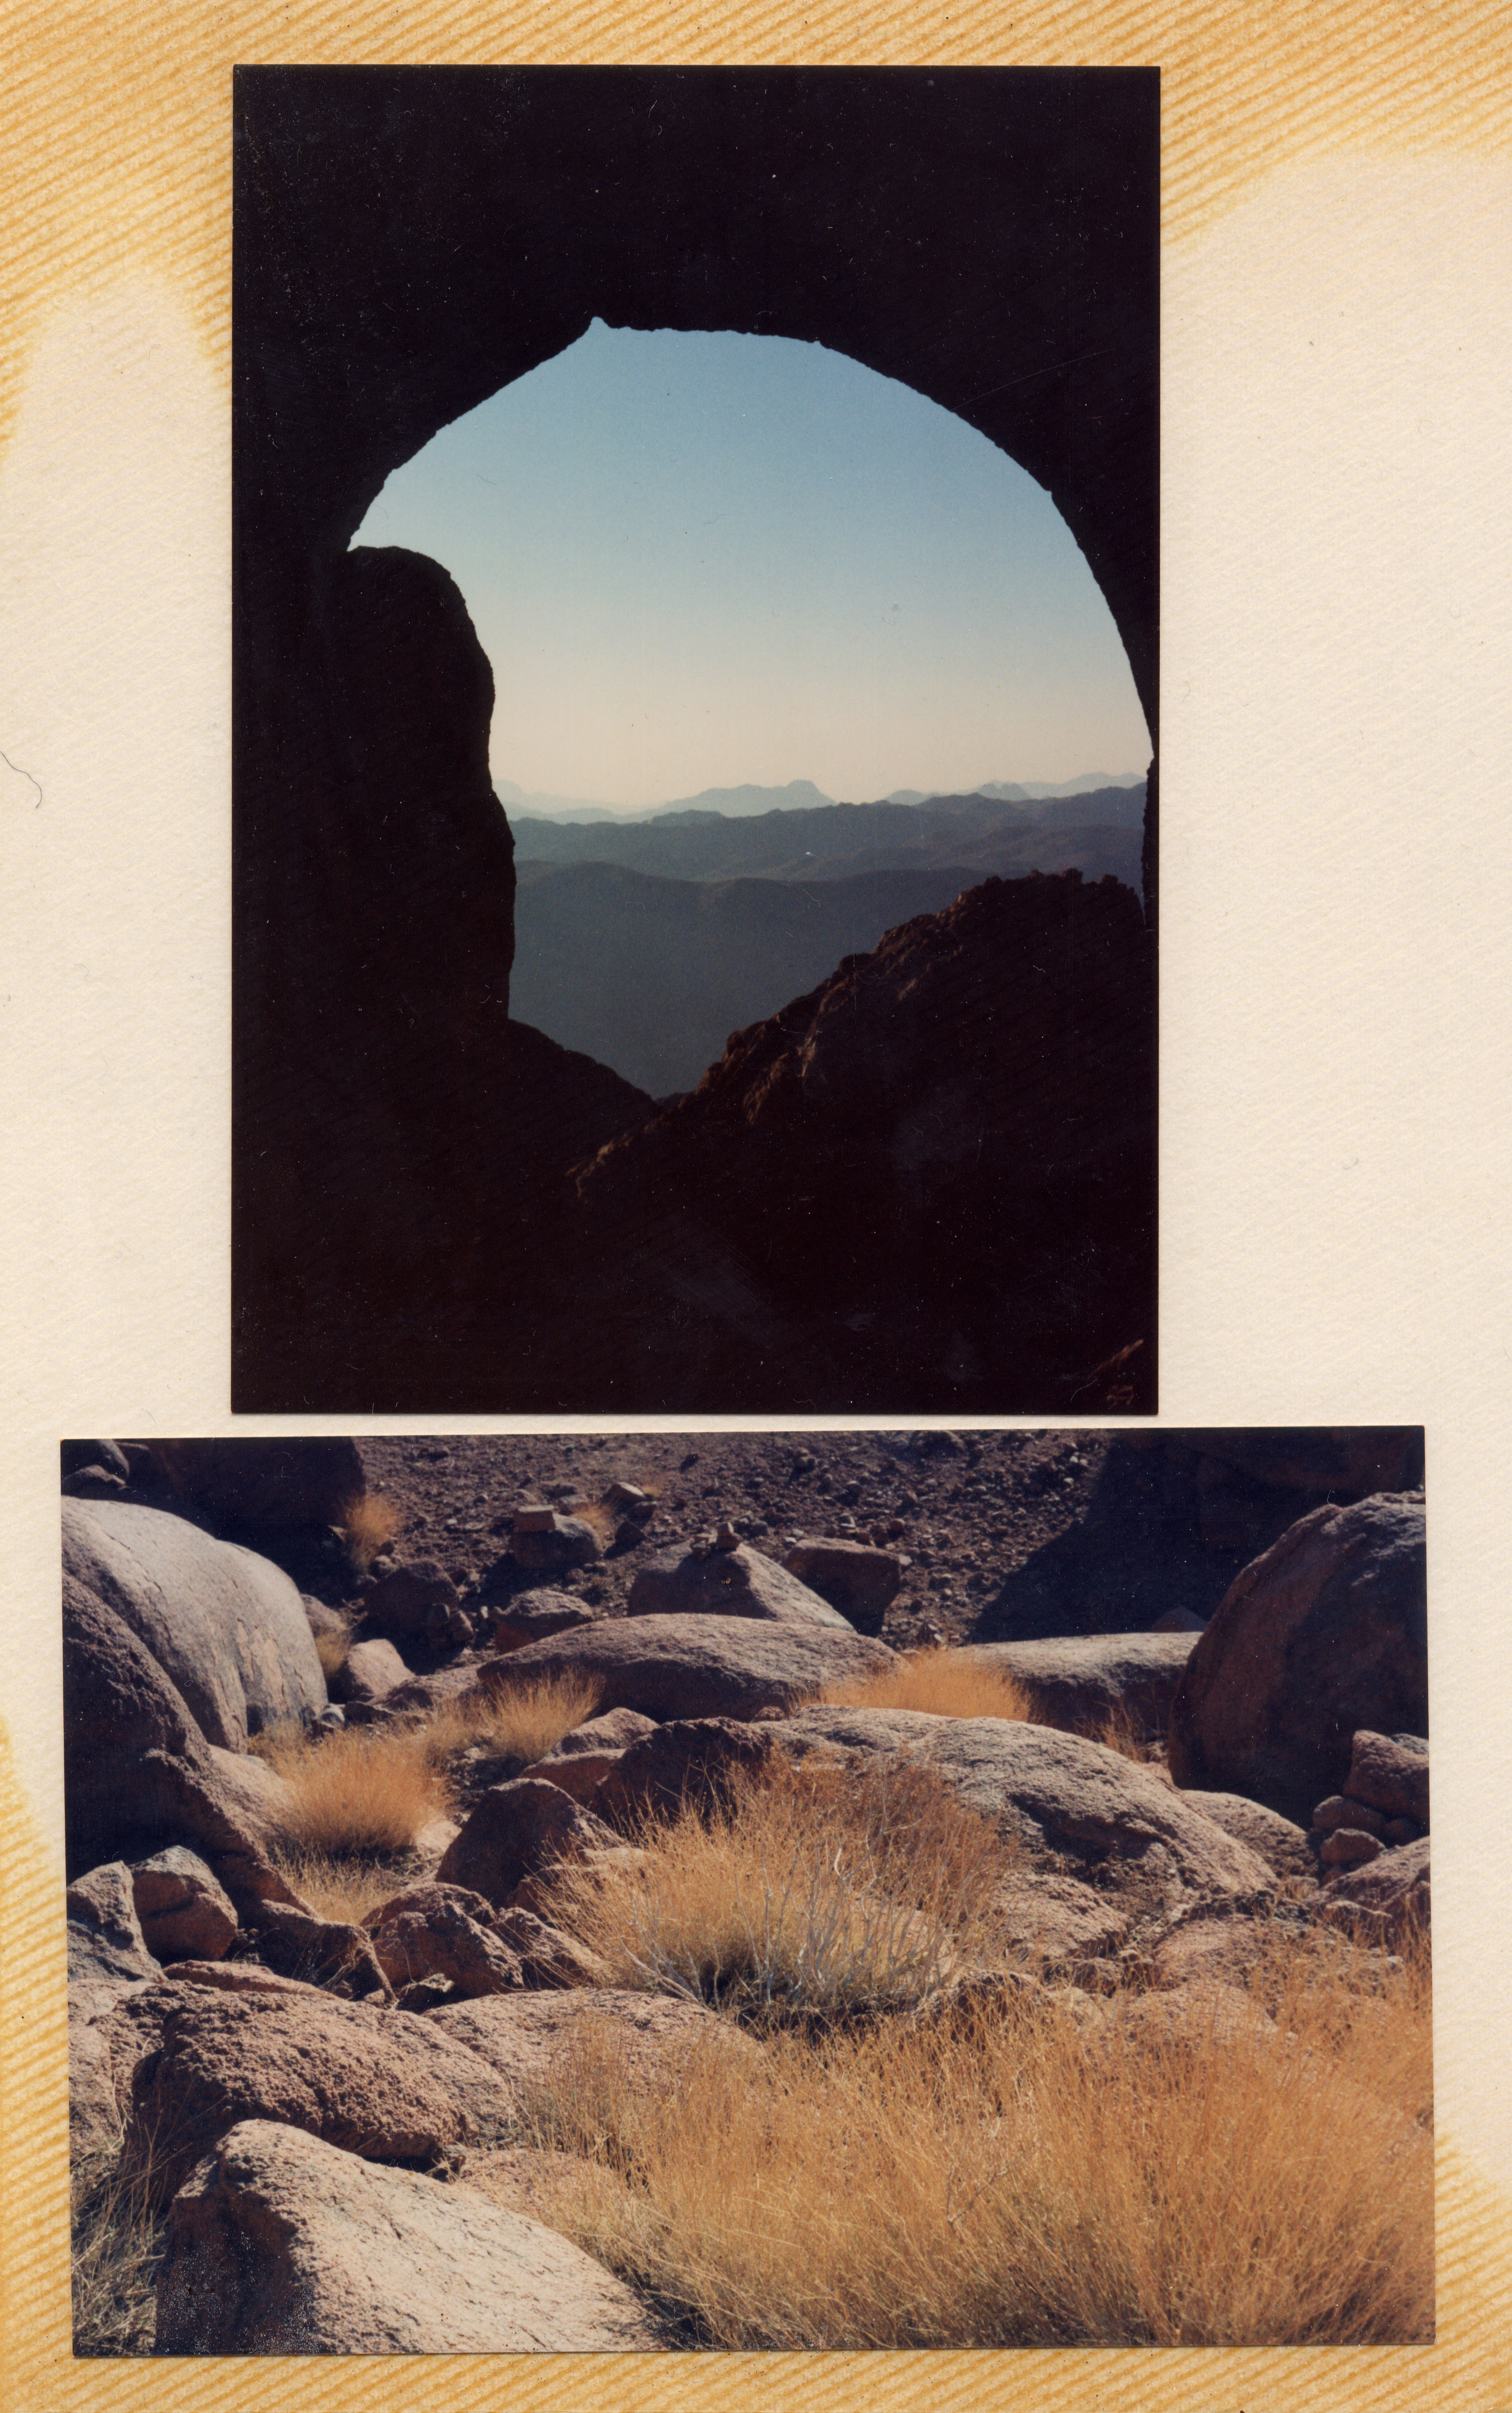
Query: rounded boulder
1324,1633
226,1627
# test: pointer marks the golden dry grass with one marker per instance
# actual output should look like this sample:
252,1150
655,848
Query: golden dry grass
118,2242
362,1791
1036,2175
521,1721
369,1526
810,1895
344,1886
367,1792
946,1683
601,1519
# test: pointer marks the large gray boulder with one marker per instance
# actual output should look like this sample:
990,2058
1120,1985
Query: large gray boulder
693,1581
698,1667
1325,1632
228,1627
1074,1808
280,2244
1083,1681
530,1616
139,1773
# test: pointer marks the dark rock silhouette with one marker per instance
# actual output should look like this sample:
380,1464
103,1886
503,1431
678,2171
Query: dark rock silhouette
651,975
932,1177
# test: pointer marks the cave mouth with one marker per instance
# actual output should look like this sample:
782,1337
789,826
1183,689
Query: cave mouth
712,560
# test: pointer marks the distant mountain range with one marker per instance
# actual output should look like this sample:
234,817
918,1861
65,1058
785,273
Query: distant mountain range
797,797
650,974
1094,833
645,943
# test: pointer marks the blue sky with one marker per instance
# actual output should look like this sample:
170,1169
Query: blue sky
696,560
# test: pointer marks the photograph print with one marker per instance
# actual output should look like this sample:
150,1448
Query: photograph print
744,1891
695,656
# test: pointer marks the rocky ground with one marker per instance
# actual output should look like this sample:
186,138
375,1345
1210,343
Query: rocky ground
966,1510
398,1772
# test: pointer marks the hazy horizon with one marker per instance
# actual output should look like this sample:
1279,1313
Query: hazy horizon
703,561
538,801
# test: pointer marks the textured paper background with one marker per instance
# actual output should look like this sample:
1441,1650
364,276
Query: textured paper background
1337,664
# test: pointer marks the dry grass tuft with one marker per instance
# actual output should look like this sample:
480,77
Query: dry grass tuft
118,2243
812,1895
365,1794
601,1519
369,1526
355,1792
1122,1732
521,1721
948,1683
1038,2176
345,1885
330,1649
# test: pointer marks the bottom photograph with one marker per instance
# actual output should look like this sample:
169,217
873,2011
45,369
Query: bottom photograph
664,1892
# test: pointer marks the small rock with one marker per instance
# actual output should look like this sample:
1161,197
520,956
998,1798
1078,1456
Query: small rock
447,1627
434,1932
372,1669
1385,1902
732,1581
94,1483
321,1951
398,1606
106,1945
551,1548
630,1500
516,1832
185,1915
1340,1811
933,1443
104,1457
858,1579
1348,1845
1388,1776
585,1757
